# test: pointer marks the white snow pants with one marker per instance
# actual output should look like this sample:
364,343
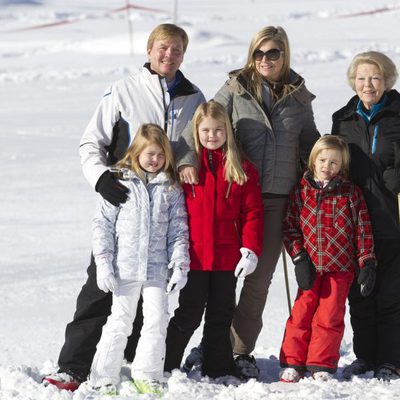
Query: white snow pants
150,352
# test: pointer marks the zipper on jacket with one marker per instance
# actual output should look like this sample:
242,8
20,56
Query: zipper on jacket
297,88
374,140
193,192
165,108
237,232
269,119
172,116
210,162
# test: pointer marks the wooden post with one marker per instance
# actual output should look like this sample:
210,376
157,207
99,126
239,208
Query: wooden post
285,271
130,27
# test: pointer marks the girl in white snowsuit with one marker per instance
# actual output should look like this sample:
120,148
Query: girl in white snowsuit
137,246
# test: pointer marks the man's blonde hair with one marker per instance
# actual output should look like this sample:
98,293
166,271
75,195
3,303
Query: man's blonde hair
167,31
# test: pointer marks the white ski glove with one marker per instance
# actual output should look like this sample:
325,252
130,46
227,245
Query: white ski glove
105,277
247,264
177,281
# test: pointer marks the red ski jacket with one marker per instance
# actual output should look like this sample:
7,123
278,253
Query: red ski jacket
332,224
223,216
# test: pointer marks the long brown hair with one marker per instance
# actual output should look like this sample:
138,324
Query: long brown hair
249,72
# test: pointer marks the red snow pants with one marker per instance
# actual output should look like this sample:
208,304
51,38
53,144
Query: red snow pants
315,327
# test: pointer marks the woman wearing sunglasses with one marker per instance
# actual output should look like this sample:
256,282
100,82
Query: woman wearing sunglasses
273,121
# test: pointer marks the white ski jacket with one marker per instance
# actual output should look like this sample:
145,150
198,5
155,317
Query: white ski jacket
140,98
141,237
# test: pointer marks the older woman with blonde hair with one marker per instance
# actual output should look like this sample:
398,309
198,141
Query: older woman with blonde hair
273,122
370,124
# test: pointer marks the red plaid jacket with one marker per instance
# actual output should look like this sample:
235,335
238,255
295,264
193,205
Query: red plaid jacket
332,224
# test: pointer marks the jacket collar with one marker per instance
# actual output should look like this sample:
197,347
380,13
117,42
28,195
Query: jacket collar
238,84
182,87
211,159
392,105
368,115
129,175
309,180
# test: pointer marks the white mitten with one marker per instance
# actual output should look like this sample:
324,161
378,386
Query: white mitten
177,281
105,277
247,264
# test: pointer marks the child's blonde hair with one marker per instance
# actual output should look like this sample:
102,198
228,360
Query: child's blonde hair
233,161
331,142
147,135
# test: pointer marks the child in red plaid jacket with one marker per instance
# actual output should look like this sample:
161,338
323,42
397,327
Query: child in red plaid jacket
327,232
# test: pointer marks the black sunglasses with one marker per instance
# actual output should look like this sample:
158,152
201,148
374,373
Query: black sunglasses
272,55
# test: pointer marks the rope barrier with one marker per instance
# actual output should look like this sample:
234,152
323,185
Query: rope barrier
75,20
370,12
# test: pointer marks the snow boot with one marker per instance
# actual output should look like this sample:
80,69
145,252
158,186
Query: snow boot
148,386
387,372
194,359
322,376
106,389
246,366
357,367
290,375
62,380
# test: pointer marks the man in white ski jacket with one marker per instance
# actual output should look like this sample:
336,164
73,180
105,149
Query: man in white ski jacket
120,113
158,94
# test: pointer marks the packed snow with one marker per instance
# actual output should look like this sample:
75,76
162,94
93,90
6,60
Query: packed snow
56,59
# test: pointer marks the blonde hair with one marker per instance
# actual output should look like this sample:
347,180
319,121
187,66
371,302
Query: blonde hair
253,78
167,31
331,142
384,63
147,135
233,161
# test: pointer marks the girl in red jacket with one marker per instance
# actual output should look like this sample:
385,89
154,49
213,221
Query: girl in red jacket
225,214
327,232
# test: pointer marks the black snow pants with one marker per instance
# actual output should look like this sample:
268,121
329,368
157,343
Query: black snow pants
83,333
376,319
215,292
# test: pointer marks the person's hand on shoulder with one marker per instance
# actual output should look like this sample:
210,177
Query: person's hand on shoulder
188,174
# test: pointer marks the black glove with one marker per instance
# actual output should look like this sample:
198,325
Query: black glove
366,278
112,190
304,270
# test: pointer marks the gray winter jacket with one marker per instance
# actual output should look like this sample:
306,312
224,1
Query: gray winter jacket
278,143
145,235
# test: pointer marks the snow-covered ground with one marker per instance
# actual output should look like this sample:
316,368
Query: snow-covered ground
56,59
